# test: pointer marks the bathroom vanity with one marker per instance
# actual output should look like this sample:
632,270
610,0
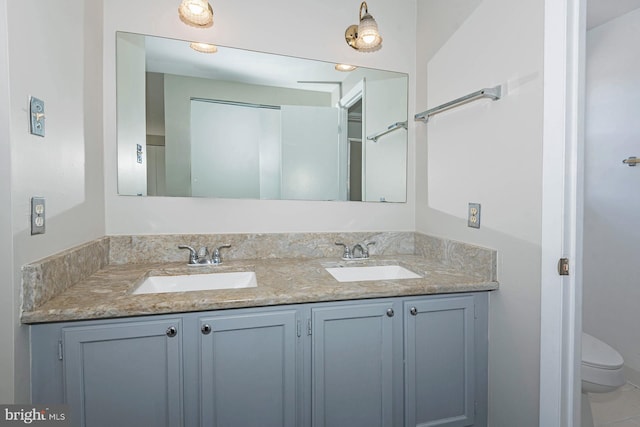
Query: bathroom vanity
299,349
356,363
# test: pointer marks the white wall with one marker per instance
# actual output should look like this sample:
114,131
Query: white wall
611,290
489,152
319,38
59,61
7,302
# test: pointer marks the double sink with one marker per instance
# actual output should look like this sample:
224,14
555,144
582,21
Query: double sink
247,279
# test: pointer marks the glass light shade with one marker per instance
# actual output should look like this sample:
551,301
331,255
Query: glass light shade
196,8
203,47
197,13
368,36
345,67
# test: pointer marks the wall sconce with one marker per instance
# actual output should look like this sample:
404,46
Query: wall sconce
197,13
364,37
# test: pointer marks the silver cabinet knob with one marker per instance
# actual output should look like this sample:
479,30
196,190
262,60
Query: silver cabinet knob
172,331
413,311
205,329
390,312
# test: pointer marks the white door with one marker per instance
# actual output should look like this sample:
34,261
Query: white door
228,142
561,296
310,153
156,171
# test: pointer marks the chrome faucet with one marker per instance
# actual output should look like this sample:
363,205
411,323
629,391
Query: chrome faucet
201,257
362,250
203,254
350,254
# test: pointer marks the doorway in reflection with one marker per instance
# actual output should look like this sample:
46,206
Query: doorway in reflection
354,129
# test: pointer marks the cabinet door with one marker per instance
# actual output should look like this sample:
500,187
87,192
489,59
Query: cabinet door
124,374
352,365
440,366
248,366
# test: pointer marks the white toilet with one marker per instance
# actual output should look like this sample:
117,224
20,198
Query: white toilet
602,372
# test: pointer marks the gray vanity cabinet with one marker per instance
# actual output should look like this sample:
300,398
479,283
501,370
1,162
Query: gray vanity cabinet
413,361
249,363
445,358
124,374
353,362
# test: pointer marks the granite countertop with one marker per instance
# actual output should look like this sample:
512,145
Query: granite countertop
108,292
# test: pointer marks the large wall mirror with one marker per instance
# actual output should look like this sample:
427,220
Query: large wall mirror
244,124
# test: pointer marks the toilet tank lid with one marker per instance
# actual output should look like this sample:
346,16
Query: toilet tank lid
599,354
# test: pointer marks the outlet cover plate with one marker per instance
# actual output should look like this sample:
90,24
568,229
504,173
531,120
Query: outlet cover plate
37,215
473,220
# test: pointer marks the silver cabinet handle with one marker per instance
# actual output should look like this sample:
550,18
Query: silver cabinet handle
413,311
205,329
172,331
390,312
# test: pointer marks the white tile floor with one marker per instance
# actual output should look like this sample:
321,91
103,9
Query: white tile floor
620,408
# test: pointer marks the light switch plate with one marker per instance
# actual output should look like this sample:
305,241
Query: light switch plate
36,111
37,215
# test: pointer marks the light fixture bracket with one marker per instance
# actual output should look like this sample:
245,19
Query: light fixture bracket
363,5
351,36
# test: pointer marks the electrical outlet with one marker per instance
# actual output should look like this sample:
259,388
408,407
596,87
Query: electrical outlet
37,215
473,220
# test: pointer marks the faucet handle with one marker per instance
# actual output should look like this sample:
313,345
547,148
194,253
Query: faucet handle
193,255
346,254
215,256
366,248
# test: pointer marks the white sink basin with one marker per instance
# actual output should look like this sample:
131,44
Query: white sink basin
197,282
367,273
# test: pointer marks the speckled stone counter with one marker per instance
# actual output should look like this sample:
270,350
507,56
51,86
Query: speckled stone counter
107,292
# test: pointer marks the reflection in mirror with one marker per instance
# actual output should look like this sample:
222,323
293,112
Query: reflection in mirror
243,124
